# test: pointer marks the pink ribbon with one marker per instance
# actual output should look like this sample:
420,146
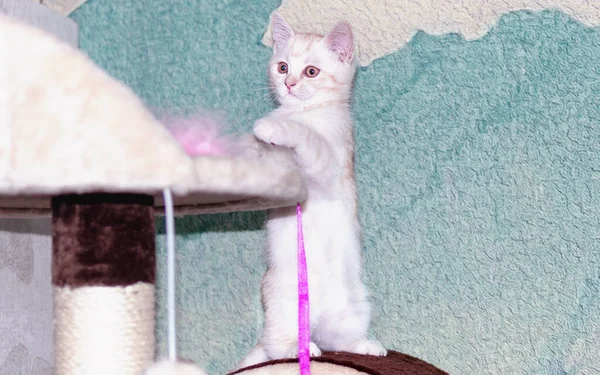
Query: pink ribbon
303,305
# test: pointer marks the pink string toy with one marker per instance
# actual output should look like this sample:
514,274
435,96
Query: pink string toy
303,302
199,134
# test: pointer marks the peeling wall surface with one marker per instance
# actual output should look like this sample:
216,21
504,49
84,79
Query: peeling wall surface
478,162
385,26
64,7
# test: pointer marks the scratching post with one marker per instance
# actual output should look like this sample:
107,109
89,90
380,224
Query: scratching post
103,275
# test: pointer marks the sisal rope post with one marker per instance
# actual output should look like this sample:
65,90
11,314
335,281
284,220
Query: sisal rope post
103,275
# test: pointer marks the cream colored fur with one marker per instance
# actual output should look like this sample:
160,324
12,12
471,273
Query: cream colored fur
314,121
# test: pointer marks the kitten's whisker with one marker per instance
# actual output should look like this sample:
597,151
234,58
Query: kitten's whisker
264,88
261,89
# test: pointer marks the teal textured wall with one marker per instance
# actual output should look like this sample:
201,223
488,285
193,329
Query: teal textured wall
478,168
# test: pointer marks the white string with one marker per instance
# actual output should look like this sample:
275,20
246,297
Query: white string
170,221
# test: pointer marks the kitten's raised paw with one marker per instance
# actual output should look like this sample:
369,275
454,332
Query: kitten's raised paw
268,131
369,347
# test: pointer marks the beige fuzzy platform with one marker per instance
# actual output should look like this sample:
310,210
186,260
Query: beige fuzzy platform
67,126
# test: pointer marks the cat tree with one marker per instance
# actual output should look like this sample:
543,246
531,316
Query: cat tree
81,148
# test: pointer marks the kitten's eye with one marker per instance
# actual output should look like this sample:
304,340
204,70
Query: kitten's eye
311,71
282,68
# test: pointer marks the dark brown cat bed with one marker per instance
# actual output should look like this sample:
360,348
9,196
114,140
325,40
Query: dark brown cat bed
340,363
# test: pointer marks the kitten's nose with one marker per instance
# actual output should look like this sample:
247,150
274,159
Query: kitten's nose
289,83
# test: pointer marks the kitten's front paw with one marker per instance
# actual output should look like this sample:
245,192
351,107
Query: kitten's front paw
268,131
291,351
312,348
369,347
257,355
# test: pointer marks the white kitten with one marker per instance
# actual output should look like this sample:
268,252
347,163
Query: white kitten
312,77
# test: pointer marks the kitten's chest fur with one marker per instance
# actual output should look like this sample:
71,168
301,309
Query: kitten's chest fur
331,227
335,125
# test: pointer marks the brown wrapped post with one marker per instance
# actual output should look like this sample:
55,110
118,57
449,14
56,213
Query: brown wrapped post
103,275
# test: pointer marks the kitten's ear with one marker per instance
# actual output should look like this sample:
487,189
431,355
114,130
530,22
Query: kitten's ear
341,41
282,31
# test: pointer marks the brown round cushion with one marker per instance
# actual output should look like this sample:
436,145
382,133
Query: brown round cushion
341,363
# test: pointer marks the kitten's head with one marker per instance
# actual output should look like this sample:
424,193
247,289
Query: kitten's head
310,69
